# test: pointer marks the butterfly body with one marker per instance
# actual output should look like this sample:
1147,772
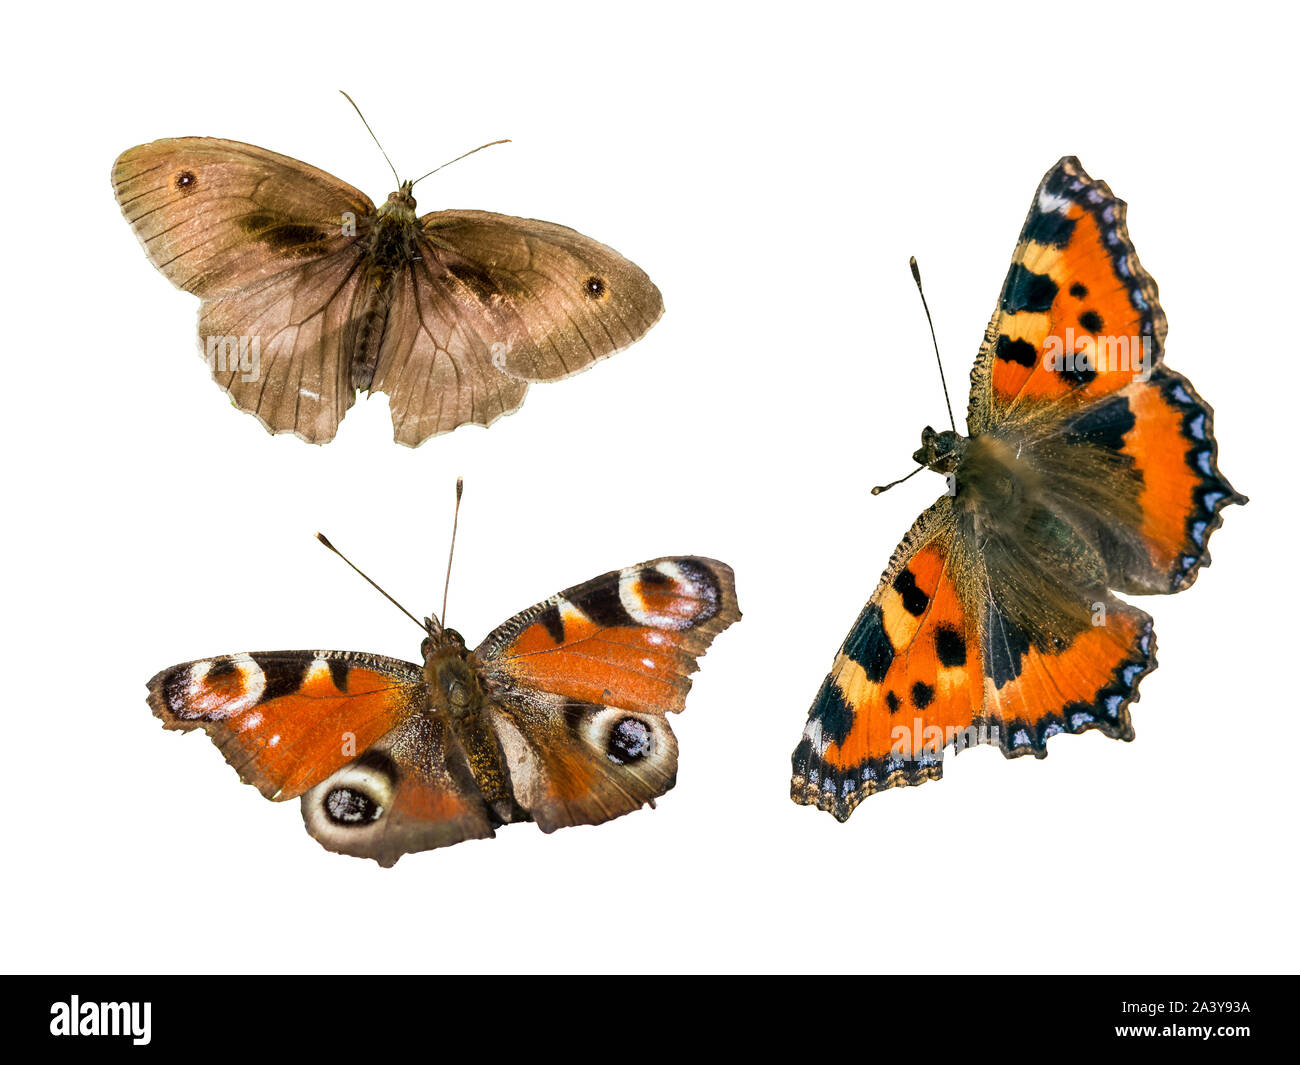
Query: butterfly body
390,249
452,314
456,683
1088,468
558,717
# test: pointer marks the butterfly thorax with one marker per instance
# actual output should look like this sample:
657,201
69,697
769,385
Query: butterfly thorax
391,249
454,688
986,472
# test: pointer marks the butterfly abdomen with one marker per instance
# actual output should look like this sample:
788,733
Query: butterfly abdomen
392,244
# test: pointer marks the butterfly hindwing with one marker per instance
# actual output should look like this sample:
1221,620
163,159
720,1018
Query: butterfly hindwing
435,360
1166,431
629,638
410,791
576,763
1034,691
282,349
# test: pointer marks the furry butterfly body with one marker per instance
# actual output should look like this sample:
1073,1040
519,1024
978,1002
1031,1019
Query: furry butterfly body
311,293
1089,468
558,717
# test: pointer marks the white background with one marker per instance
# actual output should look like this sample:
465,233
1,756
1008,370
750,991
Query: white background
772,168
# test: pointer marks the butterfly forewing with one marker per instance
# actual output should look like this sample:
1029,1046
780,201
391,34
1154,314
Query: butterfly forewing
288,719
554,300
628,638
217,216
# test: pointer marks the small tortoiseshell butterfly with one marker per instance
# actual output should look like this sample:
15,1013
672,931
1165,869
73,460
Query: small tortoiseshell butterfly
558,717
1089,467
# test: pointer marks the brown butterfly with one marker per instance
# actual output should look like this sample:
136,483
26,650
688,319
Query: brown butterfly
311,293
560,716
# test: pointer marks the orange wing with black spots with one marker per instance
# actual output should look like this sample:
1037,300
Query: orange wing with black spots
1078,317
288,719
906,682
1033,692
629,638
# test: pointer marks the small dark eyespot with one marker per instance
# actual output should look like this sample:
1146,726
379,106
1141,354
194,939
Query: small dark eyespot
346,806
186,181
595,288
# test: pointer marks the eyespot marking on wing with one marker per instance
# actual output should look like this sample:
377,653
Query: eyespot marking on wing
623,738
670,595
214,689
356,796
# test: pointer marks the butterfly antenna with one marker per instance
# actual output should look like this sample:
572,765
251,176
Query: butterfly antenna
916,276
321,538
459,158
390,167
886,487
455,521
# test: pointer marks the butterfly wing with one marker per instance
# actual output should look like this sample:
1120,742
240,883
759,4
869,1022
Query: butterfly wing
936,659
271,246
576,763
629,638
1072,363
216,216
435,363
911,663
492,302
293,335
580,685
555,300
288,719
378,778
411,791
